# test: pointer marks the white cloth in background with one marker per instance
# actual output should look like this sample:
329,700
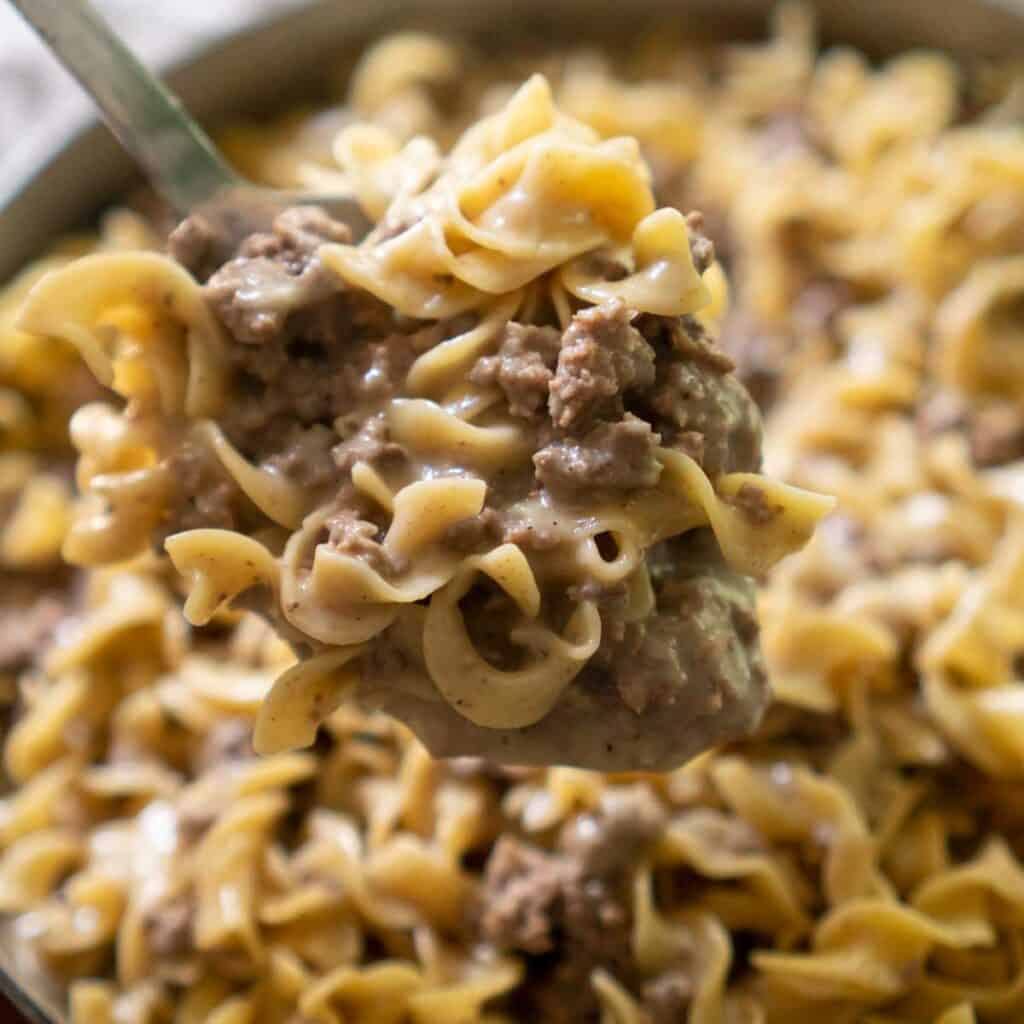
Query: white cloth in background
40,104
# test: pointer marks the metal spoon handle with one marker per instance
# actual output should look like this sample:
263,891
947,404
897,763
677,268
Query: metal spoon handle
180,160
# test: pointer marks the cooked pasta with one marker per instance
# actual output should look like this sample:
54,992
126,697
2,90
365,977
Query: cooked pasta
498,403
857,860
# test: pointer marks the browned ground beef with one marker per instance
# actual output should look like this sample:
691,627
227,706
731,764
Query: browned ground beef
573,902
522,367
523,885
620,390
305,352
196,246
204,496
612,456
31,608
663,659
369,443
609,842
168,929
695,395
360,538
995,431
307,456
274,275
602,360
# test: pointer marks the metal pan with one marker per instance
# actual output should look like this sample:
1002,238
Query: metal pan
281,59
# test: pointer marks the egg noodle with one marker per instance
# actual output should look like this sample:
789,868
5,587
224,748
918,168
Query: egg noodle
857,860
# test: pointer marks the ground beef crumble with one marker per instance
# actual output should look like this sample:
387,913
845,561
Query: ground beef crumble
682,655
994,430
311,355
29,615
522,367
307,457
169,929
370,443
204,495
603,358
523,886
575,900
603,844
350,535
612,456
624,385
308,355
196,246
274,275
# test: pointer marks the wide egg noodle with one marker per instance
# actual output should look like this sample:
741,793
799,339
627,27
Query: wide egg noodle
663,279
142,326
440,364
123,486
279,500
222,565
432,430
300,699
526,191
377,171
183,345
482,693
422,512
340,621
977,350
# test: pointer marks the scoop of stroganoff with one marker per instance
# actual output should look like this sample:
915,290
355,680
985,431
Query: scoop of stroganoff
484,468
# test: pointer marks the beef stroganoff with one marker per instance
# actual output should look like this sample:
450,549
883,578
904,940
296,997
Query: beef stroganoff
857,859
485,467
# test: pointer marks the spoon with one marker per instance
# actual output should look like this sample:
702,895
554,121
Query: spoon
180,160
